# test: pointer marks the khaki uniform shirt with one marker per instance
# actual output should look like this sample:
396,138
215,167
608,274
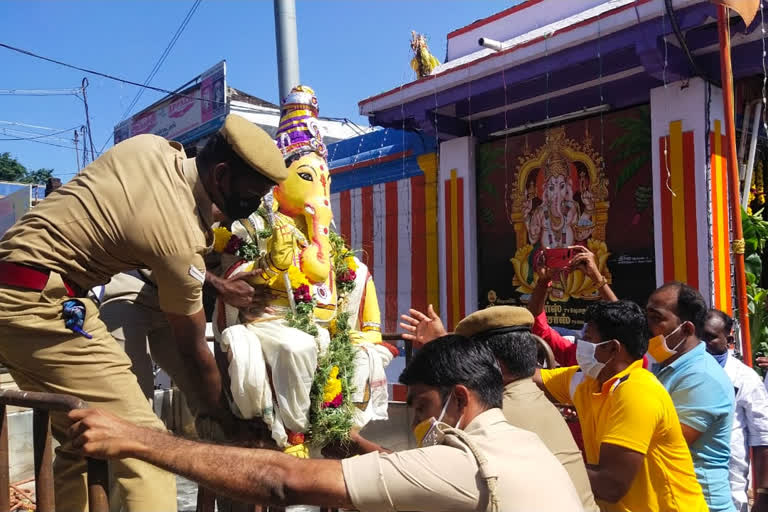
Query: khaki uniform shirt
525,406
141,205
446,478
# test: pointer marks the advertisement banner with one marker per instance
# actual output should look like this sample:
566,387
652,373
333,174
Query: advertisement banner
13,206
197,111
584,183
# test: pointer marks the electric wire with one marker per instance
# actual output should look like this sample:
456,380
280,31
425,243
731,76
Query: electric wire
43,135
25,125
24,134
48,143
156,67
163,56
106,75
39,92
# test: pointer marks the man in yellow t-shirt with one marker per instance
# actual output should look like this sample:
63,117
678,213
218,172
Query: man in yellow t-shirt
637,457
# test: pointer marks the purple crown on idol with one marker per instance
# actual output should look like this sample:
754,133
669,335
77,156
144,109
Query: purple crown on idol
298,131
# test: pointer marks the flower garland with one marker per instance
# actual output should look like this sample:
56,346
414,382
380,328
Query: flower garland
301,315
332,409
225,241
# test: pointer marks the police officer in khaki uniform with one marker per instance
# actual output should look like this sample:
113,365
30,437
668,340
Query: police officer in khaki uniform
470,458
506,331
143,204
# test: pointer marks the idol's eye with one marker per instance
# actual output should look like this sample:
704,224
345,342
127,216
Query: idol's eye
305,176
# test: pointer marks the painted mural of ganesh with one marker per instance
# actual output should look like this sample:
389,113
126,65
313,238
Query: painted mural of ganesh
559,199
313,367
551,223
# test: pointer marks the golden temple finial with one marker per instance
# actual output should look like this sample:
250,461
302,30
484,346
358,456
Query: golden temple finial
423,62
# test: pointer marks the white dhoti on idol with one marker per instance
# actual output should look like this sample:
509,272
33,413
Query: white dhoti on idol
270,361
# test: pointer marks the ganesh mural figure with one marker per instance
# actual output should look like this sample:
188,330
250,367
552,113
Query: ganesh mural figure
559,199
551,223
314,366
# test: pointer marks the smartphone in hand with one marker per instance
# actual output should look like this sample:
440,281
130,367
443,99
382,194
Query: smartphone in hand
558,258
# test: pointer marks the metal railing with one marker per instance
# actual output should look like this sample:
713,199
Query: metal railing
42,404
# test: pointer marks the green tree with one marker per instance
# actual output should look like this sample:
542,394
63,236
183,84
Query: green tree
12,170
39,176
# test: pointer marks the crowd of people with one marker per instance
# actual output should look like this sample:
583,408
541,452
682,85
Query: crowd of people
677,437
669,418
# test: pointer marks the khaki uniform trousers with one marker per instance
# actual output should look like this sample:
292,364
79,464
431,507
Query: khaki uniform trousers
43,355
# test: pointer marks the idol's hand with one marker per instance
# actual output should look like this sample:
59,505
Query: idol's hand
420,328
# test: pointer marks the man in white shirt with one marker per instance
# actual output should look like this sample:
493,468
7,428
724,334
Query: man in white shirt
750,421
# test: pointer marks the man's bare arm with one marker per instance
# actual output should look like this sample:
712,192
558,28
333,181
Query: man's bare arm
587,261
189,333
690,434
247,475
613,476
760,470
539,296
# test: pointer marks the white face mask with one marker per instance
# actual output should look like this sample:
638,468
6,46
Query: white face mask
585,357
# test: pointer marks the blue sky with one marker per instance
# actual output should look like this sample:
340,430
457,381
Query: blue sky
348,50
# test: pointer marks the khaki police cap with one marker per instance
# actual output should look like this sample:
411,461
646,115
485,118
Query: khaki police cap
495,320
255,147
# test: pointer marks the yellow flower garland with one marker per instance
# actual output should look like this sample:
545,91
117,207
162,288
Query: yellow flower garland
332,386
221,236
297,277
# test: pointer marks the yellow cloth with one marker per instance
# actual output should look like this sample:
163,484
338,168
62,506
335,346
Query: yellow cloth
633,410
299,451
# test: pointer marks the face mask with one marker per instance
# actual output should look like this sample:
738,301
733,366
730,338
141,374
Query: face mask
427,432
237,208
659,351
233,205
721,358
585,357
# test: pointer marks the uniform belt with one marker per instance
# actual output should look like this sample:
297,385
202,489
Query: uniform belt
21,276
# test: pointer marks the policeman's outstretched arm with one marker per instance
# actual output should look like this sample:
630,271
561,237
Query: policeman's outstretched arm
249,475
180,280
189,333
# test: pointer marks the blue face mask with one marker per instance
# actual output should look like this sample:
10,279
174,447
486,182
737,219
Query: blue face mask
721,358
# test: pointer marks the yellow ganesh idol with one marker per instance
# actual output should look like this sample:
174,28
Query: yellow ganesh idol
313,367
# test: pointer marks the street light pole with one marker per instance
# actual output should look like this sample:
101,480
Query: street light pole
287,46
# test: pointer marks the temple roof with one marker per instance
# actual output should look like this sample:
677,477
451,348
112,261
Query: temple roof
559,58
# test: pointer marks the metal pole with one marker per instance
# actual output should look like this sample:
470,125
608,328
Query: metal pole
87,119
77,155
752,151
5,478
724,33
43,451
287,46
